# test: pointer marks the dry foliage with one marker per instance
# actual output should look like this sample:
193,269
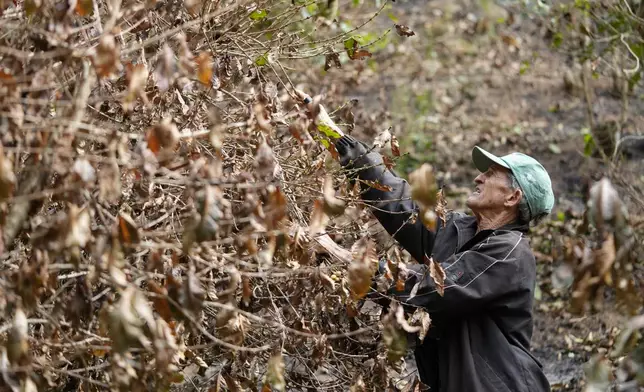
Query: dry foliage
171,205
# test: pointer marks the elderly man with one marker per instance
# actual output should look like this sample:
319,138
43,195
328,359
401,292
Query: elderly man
482,324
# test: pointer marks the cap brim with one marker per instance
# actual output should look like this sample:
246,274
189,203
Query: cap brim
483,159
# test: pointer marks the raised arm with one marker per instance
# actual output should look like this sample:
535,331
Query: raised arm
394,208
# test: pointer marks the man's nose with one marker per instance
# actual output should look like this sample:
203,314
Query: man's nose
479,179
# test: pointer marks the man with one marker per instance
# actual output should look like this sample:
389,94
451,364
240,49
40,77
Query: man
482,325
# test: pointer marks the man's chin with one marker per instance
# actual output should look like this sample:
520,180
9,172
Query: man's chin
471,200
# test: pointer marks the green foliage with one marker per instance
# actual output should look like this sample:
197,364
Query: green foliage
258,14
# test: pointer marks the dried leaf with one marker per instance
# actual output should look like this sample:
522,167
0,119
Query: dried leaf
275,373
332,205
395,146
7,176
106,60
18,338
128,230
358,385
319,219
330,60
137,78
377,185
362,268
204,68
437,273
400,319
83,7
166,68
351,46
264,160
441,207
247,292
510,40
84,170
404,31
382,139
605,206
163,138
77,229
423,186
421,318
393,337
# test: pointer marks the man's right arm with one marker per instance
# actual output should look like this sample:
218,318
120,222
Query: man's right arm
394,208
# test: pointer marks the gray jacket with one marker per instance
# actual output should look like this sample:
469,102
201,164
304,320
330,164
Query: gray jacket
481,328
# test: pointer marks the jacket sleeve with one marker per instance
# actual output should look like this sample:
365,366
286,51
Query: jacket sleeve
473,278
394,209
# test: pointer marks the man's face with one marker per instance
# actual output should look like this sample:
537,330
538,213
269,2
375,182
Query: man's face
492,191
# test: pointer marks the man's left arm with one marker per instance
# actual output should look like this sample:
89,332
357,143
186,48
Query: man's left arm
473,278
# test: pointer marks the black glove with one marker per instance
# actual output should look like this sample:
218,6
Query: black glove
350,150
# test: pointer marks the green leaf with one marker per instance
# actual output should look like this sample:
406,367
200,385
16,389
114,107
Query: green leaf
325,143
392,17
262,60
537,293
328,131
557,40
525,66
589,144
258,14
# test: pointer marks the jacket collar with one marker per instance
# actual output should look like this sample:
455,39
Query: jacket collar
466,228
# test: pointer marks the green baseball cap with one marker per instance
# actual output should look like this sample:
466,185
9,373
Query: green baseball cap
530,174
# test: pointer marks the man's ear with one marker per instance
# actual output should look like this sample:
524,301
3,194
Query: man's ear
513,198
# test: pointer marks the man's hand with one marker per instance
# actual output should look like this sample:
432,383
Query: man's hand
350,150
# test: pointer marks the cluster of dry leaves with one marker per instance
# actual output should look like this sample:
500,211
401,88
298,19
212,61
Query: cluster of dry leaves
171,205
601,257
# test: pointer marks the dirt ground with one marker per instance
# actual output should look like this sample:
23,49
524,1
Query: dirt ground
456,84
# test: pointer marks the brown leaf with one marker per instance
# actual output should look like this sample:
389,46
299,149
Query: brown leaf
128,230
360,54
106,59
332,59
7,176
437,273
17,339
246,290
275,373
83,7
441,207
393,337
166,68
362,267
137,78
510,40
319,219
377,185
423,186
389,163
204,68
400,319
78,227
382,139
332,205
604,258
163,137
404,31
395,146
358,385
421,318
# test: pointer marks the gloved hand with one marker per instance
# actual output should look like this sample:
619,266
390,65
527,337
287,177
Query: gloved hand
350,150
